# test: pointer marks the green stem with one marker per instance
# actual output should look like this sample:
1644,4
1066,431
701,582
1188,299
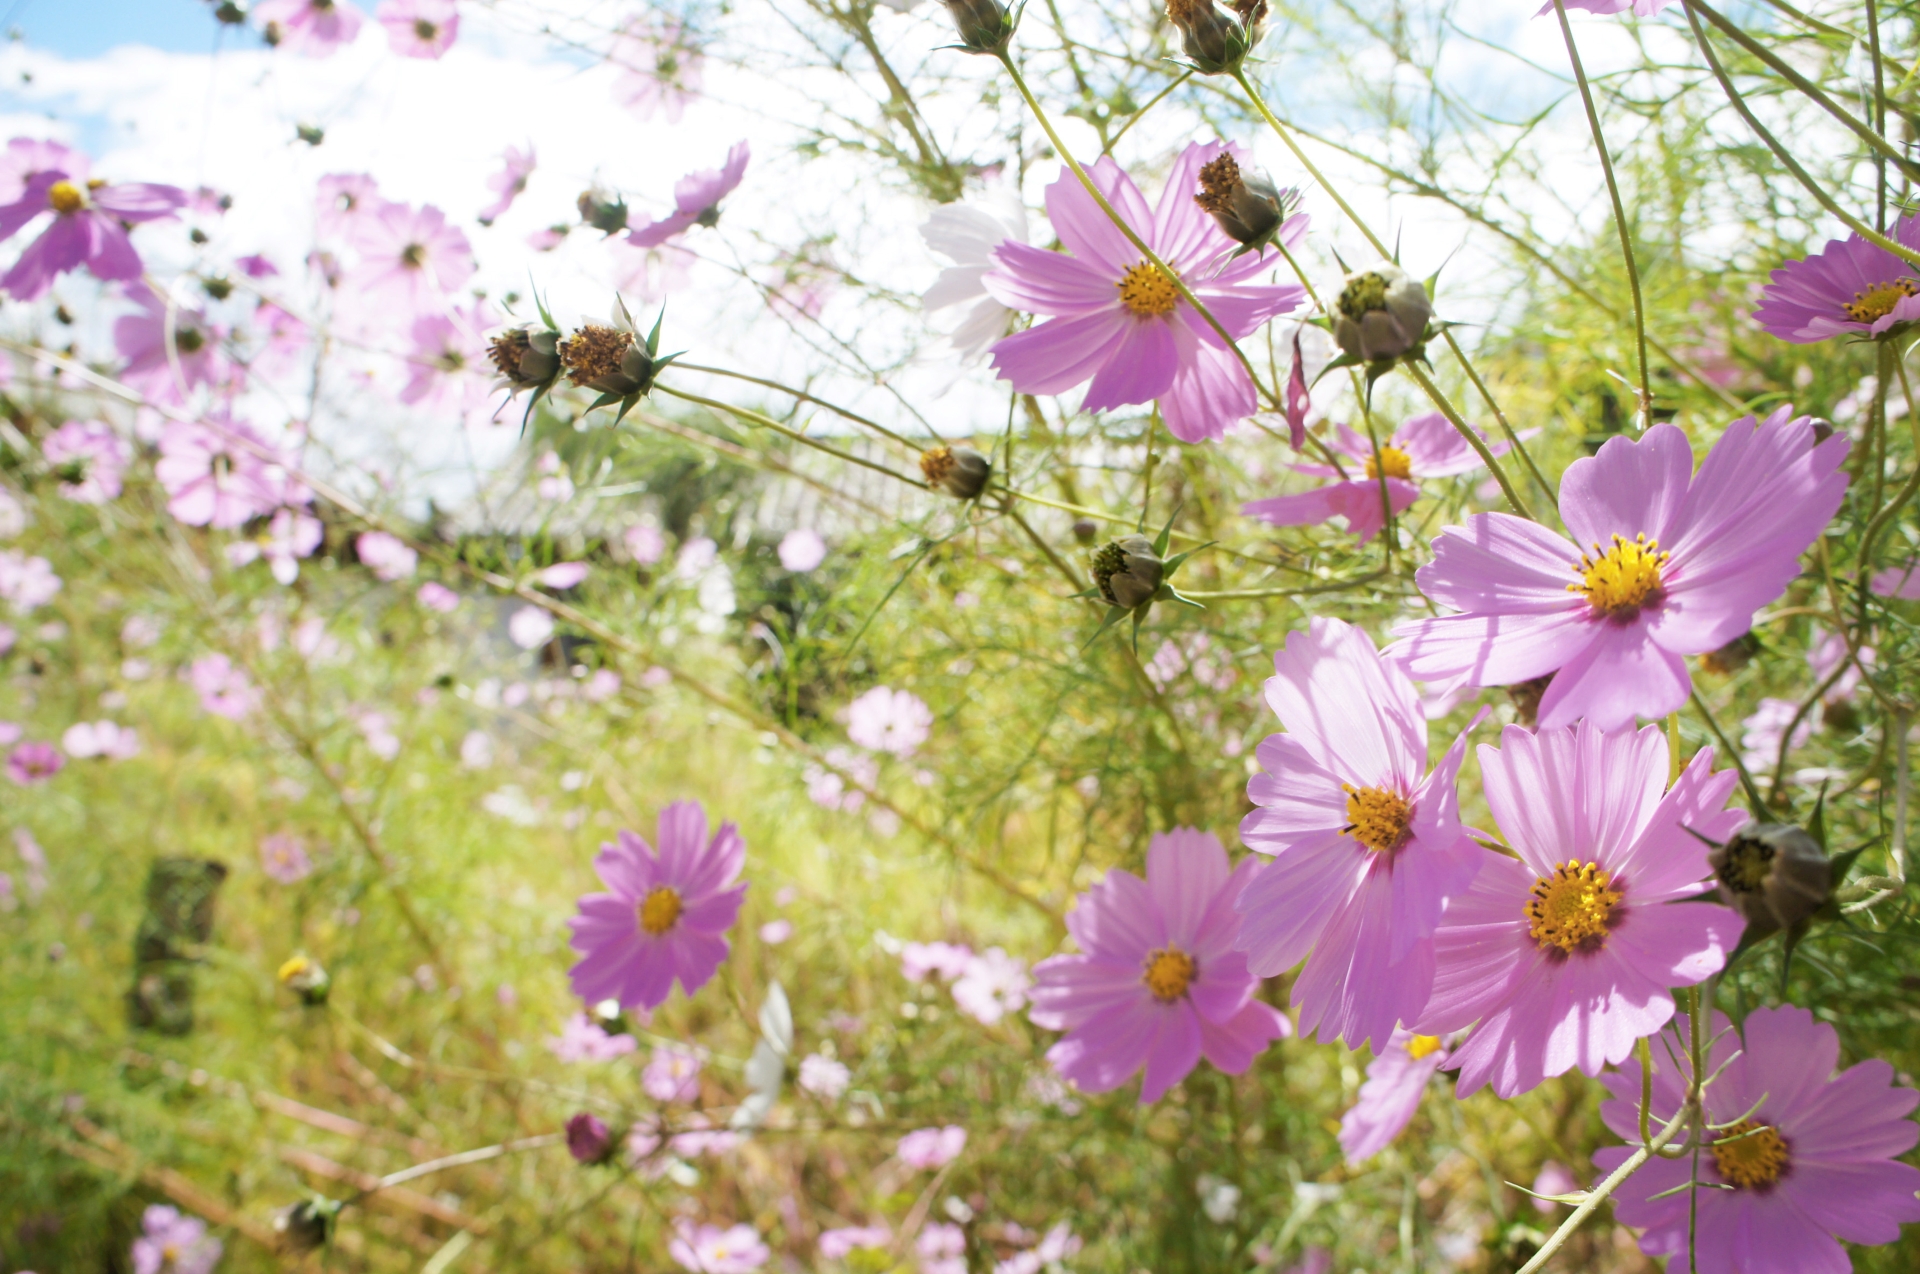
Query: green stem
1506,426
1474,440
1733,754
1865,562
768,422
1259,104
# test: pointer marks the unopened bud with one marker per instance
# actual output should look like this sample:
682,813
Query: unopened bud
1216,39
1248,206
961,472
589,1140
1127,571
526,357
985,26
1775,875
230,13
605,213
1381,314
217,286
308,1224
1084,530
306,978
1733,656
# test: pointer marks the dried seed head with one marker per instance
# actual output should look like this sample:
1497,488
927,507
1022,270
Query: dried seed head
594,354
1217,40
525,357
1248,206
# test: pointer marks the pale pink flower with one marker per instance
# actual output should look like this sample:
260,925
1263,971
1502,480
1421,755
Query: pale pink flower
993,985
802,550
1762,731
942,1249
385,555
1899,581
696,200
346,205
932,1147
823,1076
673,1073
31,763
581,1039
836,1244
419,28
1554,1177
87,739
213,479
709,1249
561,575
946,959
223,687
283,857
311,28
436,596
377,730
885,720
88,458
409,258
141,339
290,536
27,583
517,166
530,626
173,1244
660,68
447,368
775,932
1396,1080
644,544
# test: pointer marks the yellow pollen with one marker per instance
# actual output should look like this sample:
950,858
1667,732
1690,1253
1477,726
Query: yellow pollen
1878,301
1623,578
171,1252
659,910
1148,292
1571,909
1396,462
1751,1155
1170,971
1376,817
294,967
65,197
1423,1046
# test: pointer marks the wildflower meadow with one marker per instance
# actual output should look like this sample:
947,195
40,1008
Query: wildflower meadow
921,636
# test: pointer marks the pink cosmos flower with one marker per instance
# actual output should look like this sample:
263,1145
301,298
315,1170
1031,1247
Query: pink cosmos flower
1424,447
1553,1178
32,763
581,1039
927,1148
27,583
696,200
967,233
1899,581
28,157
1849,286
1367,843
89,227
290,536
170,1243
650,273
1762,731
589,1140
708,1249
824,1077
1806,1156
409,257
1396,1080
666,914
84,740
507,184
884,720
449,356
345,205
673,1073
802,550
660,68
212,480
948,960
436,596
942,1249
283,857
1159,984
89,458
311,28
992,985
530,626
386,556
1663,563
141,339
836,1244
1564,956
1117,319
561,575
223,687
419,28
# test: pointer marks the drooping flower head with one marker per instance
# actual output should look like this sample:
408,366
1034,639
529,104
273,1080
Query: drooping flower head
1664,562
89,225
1116,320
1424,447
1396,1080
89,459
696,200
1802,1156
1849,286
1158,984
420,28
1367,843
170,1243
660,68
516,166
665,915
311,28
1565,955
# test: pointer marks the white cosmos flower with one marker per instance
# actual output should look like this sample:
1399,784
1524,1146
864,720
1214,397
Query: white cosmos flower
966,233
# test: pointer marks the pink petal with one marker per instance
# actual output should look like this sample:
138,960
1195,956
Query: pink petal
1231,1046
1620,674
1210,391
1141,368
1042,282
1632,486
1185,870
1173,1055
1060,353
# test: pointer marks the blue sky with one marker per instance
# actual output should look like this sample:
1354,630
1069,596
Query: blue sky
87,28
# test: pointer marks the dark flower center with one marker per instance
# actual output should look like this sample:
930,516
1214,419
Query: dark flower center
424,29
414,255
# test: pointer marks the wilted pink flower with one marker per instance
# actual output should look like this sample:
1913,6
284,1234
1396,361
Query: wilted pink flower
696,200
312,28
1565,954
581,1039
1675,563
1425,447
84,740
1115,318
1848,287
409,258
517,166
223,687
27,583
170,1243
992,985
1803,1156
419,28
530,626
836,1244
1396,1080
89,227
824,1077
283,856
385,555
673,1073
660,69
666,914
436,596
88,458
896,721
967,233
932,1147
141,339
1367,842
290,536
1899,581
709,1249
802,550
31,763
589,1140
1159,984
212,479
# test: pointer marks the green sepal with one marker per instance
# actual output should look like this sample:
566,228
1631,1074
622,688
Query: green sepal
1344,359
1168,593
541,305
1113,616
626,405
1172,564
1791,939
653,338
603,400
1139,613
1817,825
1166,534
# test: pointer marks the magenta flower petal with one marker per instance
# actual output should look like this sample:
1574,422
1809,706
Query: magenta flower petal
1396,1081
1054,356
1809,300
1142,367
1232,1045
1087,232
1629,487
1043,282
1210,390
1621,673
1173,1054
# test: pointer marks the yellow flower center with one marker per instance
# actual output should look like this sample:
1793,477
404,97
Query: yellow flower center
1170,972
170,1253
1423,1046
64,197
1396,463
1572,908
1623,578
659,910
1751,1155
1878,301
1148,292
294,967
1376,817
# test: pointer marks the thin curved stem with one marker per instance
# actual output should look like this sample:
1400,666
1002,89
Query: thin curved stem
1259,104
1474,440
768,422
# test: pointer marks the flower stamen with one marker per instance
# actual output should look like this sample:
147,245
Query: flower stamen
660,910
1572,909
1396,463
593,352
1148,291
1751,1155
1377,818
1623,579
1878,301
65,198
1169,972
1423,1046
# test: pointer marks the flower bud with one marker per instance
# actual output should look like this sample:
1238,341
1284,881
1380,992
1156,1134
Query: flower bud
589,1140
1733,656
1775,875
1381,314
985,26
1127,571
307,979
230,14
1085,529
961,472
607,359
308,1224
604,212
1248,206
1217,40
527,357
